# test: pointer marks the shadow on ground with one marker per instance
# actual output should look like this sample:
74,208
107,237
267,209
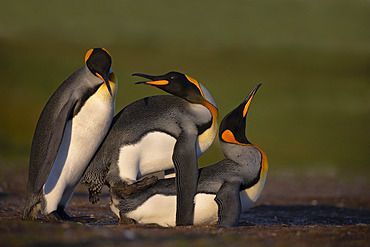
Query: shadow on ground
302,215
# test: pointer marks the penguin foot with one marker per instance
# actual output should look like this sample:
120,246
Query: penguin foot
31,212
94,196
58,215
54,217
138,186
62,213
123,220
81,219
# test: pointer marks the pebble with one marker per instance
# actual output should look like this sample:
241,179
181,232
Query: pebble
314,202
130,235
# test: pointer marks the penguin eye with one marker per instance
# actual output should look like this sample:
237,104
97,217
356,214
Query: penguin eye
173,77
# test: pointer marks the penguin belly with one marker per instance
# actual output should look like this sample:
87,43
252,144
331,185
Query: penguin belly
152,153
82,136
250,195
161,209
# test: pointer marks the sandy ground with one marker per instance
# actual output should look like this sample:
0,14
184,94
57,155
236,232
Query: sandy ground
291,211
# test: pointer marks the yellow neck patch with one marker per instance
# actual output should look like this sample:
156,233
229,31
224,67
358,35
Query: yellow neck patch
212,109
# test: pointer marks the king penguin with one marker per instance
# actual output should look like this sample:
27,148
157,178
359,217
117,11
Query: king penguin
225,189
158,133
70,128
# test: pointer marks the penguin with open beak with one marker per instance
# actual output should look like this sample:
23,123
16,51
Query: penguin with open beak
156,134
225,189
70,129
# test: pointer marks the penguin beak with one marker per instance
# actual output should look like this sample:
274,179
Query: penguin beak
232,128
155,80
249,98
106,81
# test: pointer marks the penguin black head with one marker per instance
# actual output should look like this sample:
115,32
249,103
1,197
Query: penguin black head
180,85
232,127
99,62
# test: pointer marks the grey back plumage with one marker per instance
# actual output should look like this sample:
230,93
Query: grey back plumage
164,113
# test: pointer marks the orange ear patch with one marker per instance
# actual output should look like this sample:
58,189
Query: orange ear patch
228,136
105,51
196,83
88,54
99,76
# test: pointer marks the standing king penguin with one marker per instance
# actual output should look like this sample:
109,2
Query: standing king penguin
70,129
158,133
225,189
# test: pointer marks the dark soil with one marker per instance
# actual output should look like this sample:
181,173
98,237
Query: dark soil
290,212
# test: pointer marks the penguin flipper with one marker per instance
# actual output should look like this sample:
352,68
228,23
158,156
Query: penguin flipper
186,169
229,204
58,127
139,186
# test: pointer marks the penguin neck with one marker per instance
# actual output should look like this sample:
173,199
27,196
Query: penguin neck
250,195
93,81
113,86
90,78
212,131
240,154
256,162
206,116
264,163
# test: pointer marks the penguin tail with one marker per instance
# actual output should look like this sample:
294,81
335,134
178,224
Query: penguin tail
139,186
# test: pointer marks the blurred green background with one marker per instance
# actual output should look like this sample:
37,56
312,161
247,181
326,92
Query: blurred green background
311,115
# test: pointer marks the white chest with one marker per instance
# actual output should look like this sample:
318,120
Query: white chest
151,154
94,118
249,196
161,210
82,136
